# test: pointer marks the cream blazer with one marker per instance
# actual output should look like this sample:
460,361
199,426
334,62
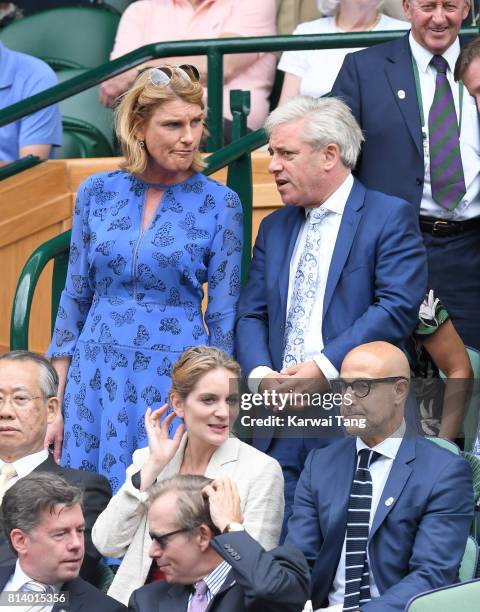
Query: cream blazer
121,530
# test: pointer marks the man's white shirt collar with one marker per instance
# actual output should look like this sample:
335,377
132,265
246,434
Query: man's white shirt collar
388,447
423,56
26,465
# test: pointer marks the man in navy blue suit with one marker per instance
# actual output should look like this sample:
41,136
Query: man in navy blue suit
376,535
421,134
338,266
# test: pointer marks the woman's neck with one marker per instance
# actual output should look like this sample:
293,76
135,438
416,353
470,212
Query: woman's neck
196,457
354,18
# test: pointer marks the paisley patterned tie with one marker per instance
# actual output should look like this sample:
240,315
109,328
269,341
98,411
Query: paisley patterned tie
304,292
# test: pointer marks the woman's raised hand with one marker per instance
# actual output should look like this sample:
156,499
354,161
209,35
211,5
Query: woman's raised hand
162,448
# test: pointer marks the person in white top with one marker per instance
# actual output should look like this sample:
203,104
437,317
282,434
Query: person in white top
313,72
205,394
43,519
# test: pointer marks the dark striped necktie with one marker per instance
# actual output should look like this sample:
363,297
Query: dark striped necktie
446,170
357,586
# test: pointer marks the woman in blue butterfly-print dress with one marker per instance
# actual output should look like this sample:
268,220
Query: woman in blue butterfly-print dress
144,241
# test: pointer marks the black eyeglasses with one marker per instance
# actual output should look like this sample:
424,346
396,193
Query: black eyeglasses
361,386
162,75
162,540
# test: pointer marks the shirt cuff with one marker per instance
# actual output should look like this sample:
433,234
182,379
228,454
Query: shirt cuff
328,369
255,377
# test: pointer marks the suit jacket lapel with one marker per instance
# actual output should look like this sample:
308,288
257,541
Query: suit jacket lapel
348,228
397,479
399,72
179,595
290,228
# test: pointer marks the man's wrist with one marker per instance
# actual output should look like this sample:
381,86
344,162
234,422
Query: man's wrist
233,526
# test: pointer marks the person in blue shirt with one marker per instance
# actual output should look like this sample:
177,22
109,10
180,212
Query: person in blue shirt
22,76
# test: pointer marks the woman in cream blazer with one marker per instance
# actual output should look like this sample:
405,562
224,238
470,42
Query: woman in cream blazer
203,394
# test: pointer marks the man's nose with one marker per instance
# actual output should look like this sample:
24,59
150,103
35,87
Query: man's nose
274,165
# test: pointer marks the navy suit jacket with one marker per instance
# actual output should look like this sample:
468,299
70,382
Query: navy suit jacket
376,281
415,544
392,154
83,597
259,581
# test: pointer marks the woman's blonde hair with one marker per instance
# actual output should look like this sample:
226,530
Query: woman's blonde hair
137,105
195,363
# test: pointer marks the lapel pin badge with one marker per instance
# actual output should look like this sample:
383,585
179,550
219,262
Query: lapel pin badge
389,501
401,94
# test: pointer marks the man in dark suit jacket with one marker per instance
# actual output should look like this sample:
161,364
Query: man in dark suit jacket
390,90
44,522
371,262
210,560
28,402
420,499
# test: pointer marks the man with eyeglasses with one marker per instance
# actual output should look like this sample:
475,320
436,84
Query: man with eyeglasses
209,560
381,515
28,403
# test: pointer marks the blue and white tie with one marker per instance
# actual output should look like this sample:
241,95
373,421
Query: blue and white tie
304,291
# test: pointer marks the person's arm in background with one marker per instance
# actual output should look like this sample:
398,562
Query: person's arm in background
450,356
41,130
290,87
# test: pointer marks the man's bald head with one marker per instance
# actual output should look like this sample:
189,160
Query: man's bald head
380,403
376,360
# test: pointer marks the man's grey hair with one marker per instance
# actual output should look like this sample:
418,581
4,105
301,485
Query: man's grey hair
192,507
29,497
48,375
327,120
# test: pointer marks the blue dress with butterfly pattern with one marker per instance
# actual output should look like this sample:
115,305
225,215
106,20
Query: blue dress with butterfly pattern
132,304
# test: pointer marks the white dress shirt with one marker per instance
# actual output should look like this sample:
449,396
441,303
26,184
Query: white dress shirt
469,207
26,465
14,583
379,471
328,231
214,581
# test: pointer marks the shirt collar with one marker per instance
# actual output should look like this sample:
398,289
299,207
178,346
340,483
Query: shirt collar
423,56
216,577
27,464
19,578
336,202
388,447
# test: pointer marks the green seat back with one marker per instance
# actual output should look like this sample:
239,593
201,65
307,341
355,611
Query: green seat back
82,140
68,37
464,597
85,107
468,566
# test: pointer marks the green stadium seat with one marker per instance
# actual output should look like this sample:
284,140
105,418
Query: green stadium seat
68,37
463,597
84,116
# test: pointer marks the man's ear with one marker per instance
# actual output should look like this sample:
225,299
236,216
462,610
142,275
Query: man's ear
204,535
53,406
401,390
18,539
331,154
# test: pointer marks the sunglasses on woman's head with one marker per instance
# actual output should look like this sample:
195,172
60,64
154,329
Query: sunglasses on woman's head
162,75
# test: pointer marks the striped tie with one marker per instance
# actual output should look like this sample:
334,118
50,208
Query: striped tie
446,171
357,587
